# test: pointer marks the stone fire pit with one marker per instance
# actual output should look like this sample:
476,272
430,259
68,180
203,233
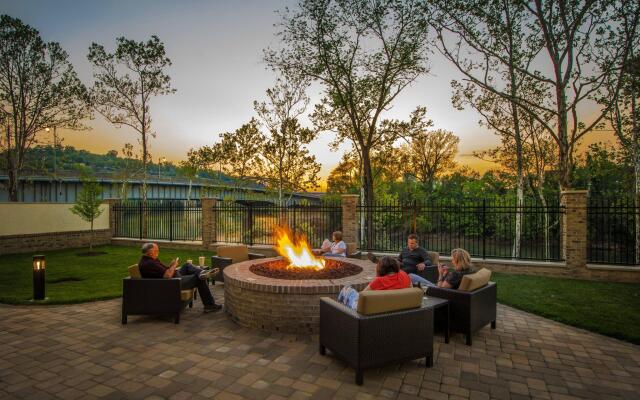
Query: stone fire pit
283,305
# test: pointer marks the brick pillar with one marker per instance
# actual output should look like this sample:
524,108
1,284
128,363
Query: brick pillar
574,229
349,218
112,214
208,221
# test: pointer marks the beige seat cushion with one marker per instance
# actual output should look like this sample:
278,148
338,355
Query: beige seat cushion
134,272
380,301
434,257
351,247
237,253
472,282
187,294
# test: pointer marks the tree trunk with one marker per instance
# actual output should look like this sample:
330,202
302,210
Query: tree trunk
545,222
91,238
13,183
367,191
189,190
635,135
144,181
520,179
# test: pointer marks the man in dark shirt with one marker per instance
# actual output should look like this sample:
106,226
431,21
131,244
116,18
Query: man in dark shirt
190,276
413,257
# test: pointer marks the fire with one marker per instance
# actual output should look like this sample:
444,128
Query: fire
298,254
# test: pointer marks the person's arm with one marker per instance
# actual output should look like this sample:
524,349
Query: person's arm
341,248
172,269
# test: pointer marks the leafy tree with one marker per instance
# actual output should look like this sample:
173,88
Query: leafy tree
364,54
88,202
236,155
429,155
38,89
125,82
288,165
573,48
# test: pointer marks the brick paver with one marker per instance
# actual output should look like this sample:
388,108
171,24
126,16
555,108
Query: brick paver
82,352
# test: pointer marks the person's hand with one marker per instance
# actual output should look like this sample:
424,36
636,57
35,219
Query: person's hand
174,262
421,267
442,269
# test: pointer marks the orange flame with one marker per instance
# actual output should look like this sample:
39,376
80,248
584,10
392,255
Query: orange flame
298,254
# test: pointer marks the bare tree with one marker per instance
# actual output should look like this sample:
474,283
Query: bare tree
38,89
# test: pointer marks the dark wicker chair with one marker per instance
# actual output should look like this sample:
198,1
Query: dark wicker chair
370,341
143,296
352,251
228,255
469,311
430,273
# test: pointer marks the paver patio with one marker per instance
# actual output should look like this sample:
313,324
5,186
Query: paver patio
82,352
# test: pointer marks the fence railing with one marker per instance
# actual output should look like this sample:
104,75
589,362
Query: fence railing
485,228
159,219
255,224
611,237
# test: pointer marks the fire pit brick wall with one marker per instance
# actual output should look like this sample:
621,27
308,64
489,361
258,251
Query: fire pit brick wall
289,306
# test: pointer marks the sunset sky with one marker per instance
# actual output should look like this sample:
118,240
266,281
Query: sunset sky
216,50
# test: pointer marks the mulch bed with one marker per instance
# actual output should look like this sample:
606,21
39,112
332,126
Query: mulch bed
334,269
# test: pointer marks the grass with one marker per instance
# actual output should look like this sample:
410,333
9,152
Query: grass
603,307
75,279
607,308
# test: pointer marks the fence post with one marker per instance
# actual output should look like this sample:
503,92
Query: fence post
170,220
112,203
140,211
484,228
574,230
250,222
208,221
350,218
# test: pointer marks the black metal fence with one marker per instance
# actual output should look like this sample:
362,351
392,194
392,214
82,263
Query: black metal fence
255,224
611,237
485,228
159,219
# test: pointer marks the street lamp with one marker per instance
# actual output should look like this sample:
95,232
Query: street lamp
55,145
38,277
160,161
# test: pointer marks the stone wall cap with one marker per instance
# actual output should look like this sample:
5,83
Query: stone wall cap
606,267
574,191
349,195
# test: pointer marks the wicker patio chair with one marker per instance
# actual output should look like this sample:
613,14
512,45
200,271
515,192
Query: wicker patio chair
473,305
389,326
146,296
228,255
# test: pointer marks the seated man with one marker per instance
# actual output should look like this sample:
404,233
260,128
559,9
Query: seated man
190,276
413,259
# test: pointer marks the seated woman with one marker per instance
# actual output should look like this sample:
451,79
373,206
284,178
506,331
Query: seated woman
388,276
461,261
337,248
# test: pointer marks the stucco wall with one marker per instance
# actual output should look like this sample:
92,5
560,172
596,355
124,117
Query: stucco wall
36,218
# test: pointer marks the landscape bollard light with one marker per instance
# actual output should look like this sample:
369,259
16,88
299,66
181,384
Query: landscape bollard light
38,277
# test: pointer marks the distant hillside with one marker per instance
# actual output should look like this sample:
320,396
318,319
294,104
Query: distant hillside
40,160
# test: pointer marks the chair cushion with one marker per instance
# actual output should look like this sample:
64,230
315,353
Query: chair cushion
134,272
237,253
352,247
380,301
434,257
187,294
472,282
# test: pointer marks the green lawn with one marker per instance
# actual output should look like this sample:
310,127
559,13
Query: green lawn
74,279
608,308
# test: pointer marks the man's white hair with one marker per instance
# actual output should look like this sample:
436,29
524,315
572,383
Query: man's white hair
146,247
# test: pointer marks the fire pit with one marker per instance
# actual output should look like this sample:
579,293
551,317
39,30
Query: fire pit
279,269
265,294
283,294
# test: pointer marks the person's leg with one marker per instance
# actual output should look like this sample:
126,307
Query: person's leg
193,281
349,297
418,279
190,269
